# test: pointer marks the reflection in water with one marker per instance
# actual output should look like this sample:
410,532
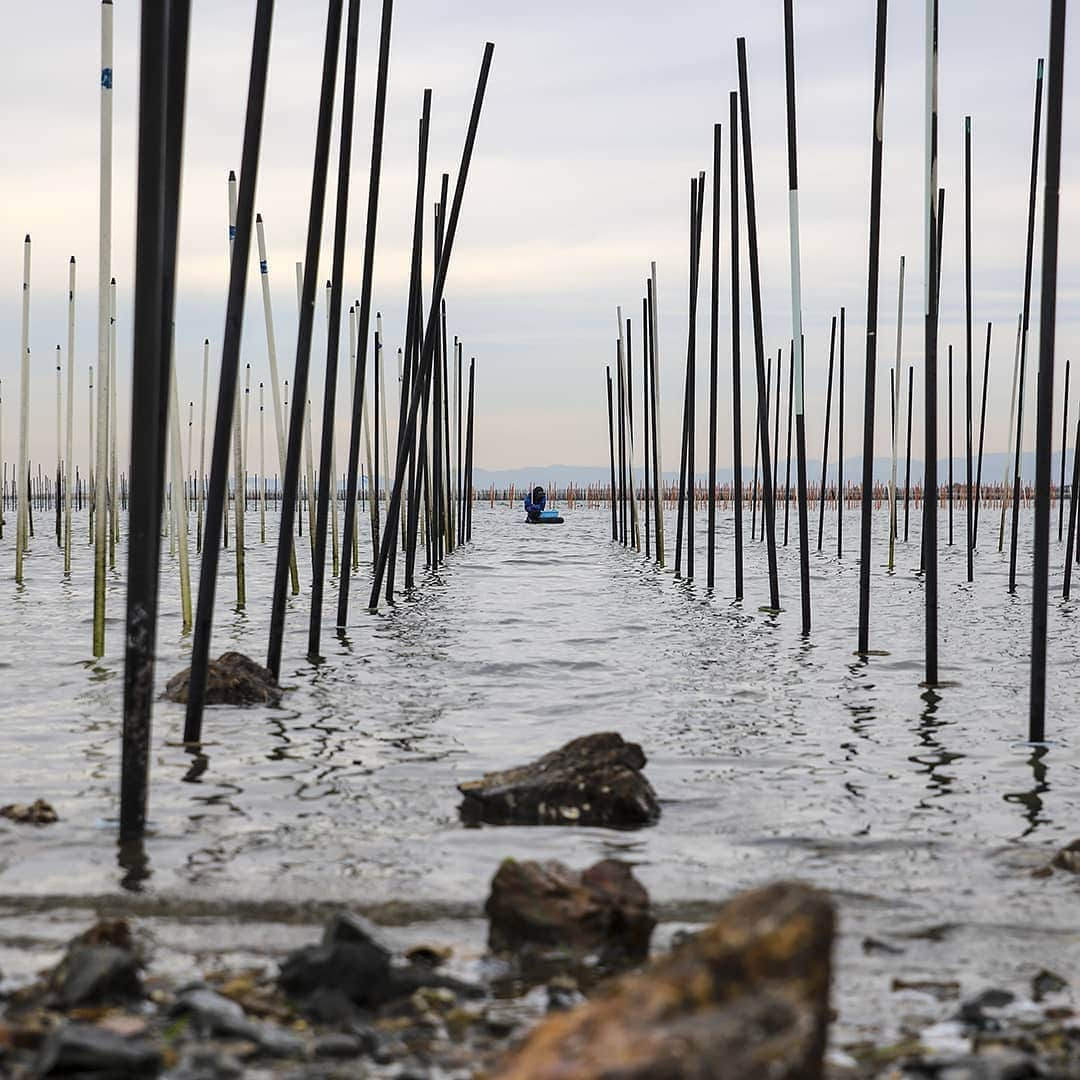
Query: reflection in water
1031,800
936,757
200,762
134,862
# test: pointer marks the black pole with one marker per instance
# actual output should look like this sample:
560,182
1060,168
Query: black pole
950,447
877,144
714,354
658,493
840,443
1047,329
776,424
736,361
967,304
757,449
825,444
982,433
907,467
1067,584
692,368
364,317
611,447
1064,437
427,354
621,402
163,55
646,368
327,482
460,493
1025,320
787,456
217,491
686,446
768,508
290,481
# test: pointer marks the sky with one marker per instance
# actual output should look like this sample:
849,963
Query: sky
596,117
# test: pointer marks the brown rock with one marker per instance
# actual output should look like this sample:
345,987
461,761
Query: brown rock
594,780
605,909
39,812
231,679
1068,858
746,998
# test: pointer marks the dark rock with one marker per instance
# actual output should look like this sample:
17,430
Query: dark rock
595,780
1068,858
748,997
97,975
232,679
212,1014
404,980
330,1006
603,910
89,1050
1045,983
204,1063
345,928
974,1012
39,812
359,971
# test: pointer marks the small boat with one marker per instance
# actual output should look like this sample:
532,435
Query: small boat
547,517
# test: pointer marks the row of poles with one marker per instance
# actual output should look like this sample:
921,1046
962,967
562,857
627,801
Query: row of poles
421,478
626,513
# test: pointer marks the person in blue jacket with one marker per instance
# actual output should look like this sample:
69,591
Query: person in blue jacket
535,503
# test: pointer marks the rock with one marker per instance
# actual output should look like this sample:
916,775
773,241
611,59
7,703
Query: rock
345,928
1045,983
595,780
338,1046
604,910
1068,858
89,1050
974,1012
748,997
204,1063
39,812
563,994
430,956
359,971
108,932
231,679
215,1015
97,975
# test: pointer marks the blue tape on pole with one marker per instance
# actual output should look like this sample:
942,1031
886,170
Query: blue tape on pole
262,265
106,78
232,232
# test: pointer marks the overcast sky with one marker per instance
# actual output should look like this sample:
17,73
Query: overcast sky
596,117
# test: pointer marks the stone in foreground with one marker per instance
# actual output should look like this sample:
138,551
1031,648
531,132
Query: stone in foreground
594,780
603,910
231,679
39,812
747,997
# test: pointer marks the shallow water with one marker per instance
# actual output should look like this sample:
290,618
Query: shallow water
774,756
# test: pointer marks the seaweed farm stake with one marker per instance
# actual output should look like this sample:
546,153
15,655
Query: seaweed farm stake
1067,582
714,333
645,368
238,440
982,433
225,421
1064,437
162,91
896,418
611,447
271,352
877,144
840,445
1026,322
967,335
825,442
202,448
1045,406
736,360
469,453
654,368
1006,486
69,469
950,428
327,471
22,512
797,357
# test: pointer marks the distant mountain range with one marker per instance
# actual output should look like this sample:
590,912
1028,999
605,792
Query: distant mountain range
994,469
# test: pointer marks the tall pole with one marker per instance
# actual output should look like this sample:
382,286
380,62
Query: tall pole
611,448
22,521
736,358
69,468
162,92
1026,321
225,420
877,146
104,274
714,353
1064,446
930,494
290,480
1047,330
896,417
967,335
825,441
982,433
364,310
202,446
658,460
769,508
796,318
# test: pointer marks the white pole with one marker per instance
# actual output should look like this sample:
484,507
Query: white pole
280,418
101,469
896,418
114,487
69,472
655,406
238,441
201,500
309,465
333,480
23,510
90,457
